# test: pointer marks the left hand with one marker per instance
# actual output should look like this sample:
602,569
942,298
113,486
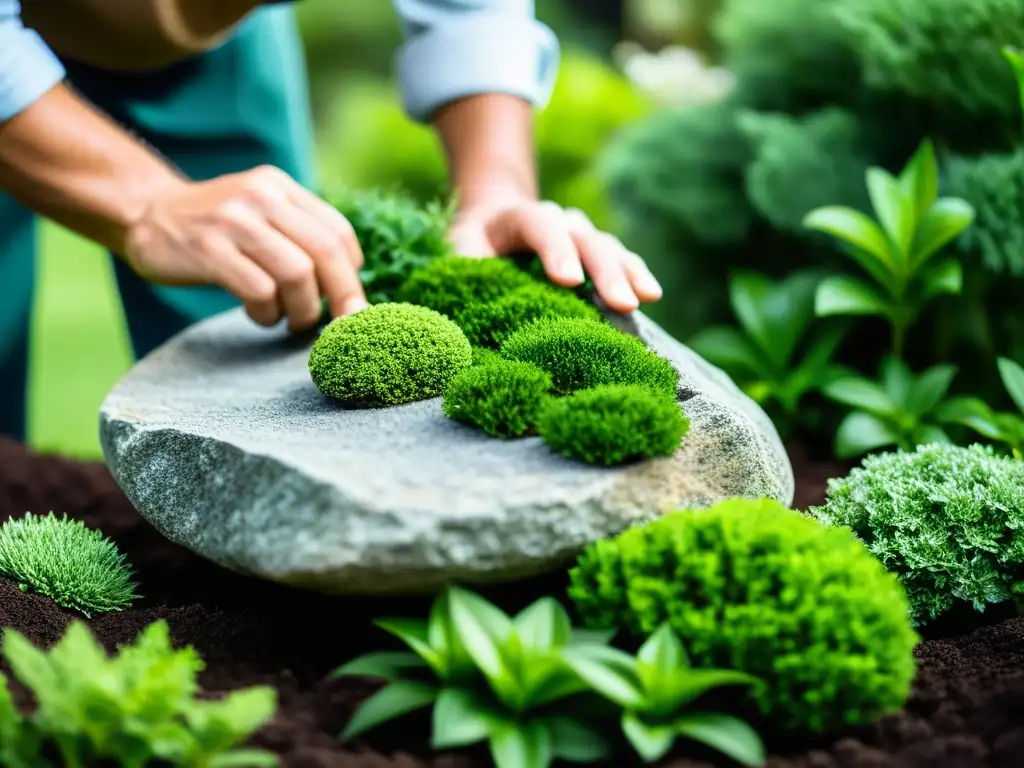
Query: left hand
567,243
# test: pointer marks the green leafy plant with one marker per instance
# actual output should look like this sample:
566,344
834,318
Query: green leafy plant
450,284
388,354
581,353
74,566
612,424
502,397
902,409
948,520
489,677
1015,57
656,690
975,413
136,708
489,323
898,251
752,586
773,354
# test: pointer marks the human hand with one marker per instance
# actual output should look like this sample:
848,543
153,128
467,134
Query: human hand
567,243
261,236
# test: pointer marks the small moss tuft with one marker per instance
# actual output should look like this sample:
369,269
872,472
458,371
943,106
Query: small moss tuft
484,356
451,283
613,424
581,353
388,354
502,398
75,566
489,323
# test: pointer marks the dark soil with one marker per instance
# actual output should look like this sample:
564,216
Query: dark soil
966,711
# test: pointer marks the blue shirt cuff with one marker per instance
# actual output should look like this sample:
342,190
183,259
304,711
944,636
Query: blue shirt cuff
28,68
476,53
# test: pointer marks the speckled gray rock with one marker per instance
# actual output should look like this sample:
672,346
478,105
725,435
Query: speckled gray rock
221,441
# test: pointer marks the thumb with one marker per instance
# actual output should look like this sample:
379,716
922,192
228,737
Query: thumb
471,240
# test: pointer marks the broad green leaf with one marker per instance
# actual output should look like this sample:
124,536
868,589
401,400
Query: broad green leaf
29,664
747,294
225,723
651,742
663,651
544,625
680,689
575,742
440,634
497,623
729,349
548,678
609,671
895,213
482,642
414,633
943,222
19,742
389,703
521,745
582,636
971,412
944,277
919,179
853,227
1012,375
729,735
862,432
929,434
842,295
1016,59
460,718
786,311
245,758
860,393
384,664
898,381
930,388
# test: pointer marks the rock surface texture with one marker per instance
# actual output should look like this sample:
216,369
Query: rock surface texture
221,441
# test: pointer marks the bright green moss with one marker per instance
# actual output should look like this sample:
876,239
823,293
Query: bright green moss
388,354
753,586
948,520
613,424
451,283
483,356
489,323
502,397
581,353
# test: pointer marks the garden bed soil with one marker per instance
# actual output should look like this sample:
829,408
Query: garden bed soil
966,711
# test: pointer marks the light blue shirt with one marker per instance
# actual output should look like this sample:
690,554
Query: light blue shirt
452,49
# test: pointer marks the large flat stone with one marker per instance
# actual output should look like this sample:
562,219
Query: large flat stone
221,441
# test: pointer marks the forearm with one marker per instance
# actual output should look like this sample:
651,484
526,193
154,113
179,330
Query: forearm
64,159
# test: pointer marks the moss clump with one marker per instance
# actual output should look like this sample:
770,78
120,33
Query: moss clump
74,566
613,424
581,353
489,323
949,521
753,586
483,356
452,283
388,354
502,398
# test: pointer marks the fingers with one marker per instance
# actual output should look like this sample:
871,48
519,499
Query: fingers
542,228
240,276
620,276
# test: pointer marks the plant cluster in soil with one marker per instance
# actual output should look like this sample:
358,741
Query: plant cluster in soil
966,709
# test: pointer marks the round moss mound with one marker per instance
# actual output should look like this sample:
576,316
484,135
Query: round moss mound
502,398
613,424
489,323
388,354
581,353
451,283
75,566
753,586
483,356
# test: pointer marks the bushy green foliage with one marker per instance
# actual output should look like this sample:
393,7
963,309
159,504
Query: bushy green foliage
397,235
450,284
489,323
388,354
580,354
613,424
994,186
485,356
948,520
752,586
137,709
75,566
502,397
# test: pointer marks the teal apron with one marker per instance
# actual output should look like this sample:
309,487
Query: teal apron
242,105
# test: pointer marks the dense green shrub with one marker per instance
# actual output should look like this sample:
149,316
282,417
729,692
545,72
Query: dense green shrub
948,520
580,354
752,586
450,284
388,354
75,566
489,323
613,424
502,398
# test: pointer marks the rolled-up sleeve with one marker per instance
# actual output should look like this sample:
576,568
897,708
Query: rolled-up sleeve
28,68
459,48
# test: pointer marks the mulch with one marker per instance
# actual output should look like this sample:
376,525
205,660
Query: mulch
966,710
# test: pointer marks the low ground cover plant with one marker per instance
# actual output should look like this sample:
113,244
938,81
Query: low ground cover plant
752,586
136,708
450,284
501,397
75,566
948,520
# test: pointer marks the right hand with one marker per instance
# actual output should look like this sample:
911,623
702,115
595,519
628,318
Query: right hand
261,236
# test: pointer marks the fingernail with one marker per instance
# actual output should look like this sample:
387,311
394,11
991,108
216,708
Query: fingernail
625,298
649,285
353,305
571,271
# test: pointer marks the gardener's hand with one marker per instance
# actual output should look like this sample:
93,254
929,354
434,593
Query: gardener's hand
566,242
261,236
